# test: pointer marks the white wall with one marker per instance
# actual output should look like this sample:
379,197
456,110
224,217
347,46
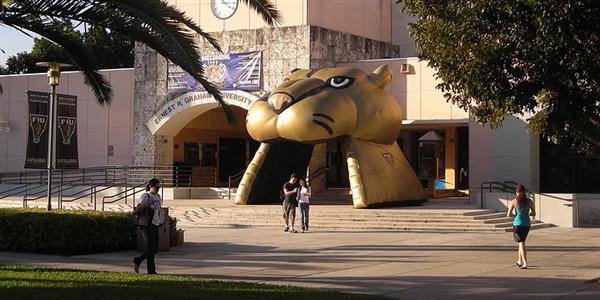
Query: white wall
565,210
416,91
367,18
508,153
97,126
293,13
400,32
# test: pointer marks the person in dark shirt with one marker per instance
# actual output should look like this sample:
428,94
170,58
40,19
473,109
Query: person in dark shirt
290,194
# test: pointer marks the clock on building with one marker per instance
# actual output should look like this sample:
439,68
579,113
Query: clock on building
223,9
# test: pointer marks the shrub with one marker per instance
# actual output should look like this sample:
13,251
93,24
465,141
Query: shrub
173,231
65,232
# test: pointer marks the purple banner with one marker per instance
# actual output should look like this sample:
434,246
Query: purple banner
234,71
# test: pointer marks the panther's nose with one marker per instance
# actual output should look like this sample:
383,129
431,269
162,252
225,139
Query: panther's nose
279,102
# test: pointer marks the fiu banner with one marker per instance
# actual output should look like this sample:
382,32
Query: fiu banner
233,71
66,131
37,135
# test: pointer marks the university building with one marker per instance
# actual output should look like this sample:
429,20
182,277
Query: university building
160,117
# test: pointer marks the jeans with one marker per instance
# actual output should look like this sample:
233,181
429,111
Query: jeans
304,208
152,247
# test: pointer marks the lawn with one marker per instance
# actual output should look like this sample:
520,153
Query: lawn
27,282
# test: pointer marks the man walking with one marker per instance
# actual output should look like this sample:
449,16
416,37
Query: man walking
290,193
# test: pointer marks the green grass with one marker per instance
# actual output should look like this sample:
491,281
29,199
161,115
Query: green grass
28,282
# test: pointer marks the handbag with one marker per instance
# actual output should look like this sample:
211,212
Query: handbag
144,216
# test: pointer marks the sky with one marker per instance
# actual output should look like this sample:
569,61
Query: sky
13,42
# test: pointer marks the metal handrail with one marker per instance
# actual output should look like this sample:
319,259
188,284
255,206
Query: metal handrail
105,177
12,190
93,191
492,185
320,171
60,188
204,174
233,179
126,191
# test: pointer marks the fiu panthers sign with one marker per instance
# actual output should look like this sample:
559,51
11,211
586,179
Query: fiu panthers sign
66,131
316,106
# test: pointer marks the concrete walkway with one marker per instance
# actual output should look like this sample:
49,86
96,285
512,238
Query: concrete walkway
564,263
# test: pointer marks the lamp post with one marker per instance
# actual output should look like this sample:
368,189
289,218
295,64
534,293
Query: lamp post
53,81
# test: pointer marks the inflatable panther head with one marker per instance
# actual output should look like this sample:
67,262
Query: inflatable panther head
313,106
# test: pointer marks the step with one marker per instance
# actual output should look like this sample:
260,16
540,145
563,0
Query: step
371,228
355,219
354,225
349,215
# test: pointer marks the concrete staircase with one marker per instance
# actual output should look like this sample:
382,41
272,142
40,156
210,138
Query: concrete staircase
199,193
439,215
333,196
342,218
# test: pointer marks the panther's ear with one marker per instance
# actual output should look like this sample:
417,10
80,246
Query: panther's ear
381,76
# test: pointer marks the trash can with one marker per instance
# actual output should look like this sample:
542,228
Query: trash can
163,235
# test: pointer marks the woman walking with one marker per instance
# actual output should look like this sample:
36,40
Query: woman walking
523,209
150,208
304,203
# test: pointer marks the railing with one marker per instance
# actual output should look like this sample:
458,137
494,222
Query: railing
33,183
320,171
59,190
510,186
235,178
120,196
504,187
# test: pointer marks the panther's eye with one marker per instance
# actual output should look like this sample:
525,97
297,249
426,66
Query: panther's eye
340,82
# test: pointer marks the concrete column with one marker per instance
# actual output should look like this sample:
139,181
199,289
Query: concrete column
150,92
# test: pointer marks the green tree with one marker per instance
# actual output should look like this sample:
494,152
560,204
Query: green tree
112,50
22,62
155,23
498,58
43,50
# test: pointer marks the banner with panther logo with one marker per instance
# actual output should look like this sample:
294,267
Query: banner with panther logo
37,135
66,132
233,71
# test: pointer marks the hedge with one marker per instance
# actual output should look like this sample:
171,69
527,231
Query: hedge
65,232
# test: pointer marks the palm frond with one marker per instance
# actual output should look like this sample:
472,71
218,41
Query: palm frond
79,54
155,23
266,10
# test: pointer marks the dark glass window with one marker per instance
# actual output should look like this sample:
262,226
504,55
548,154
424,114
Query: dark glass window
562,171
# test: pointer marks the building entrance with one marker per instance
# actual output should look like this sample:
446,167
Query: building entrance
211,149
234,156
337,175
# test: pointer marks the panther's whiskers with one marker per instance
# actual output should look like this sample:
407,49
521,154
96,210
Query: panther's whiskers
322,124
326,116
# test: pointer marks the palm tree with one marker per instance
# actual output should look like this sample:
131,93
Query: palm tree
155,23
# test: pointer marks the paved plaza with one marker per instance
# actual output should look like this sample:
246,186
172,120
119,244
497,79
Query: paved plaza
564,262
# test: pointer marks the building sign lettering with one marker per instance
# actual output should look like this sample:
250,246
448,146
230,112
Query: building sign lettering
237,98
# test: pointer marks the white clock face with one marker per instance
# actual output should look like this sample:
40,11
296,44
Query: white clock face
223,9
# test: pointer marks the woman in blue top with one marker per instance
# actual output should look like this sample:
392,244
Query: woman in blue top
523,208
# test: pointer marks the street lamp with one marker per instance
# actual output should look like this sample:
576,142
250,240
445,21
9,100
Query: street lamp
53,81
